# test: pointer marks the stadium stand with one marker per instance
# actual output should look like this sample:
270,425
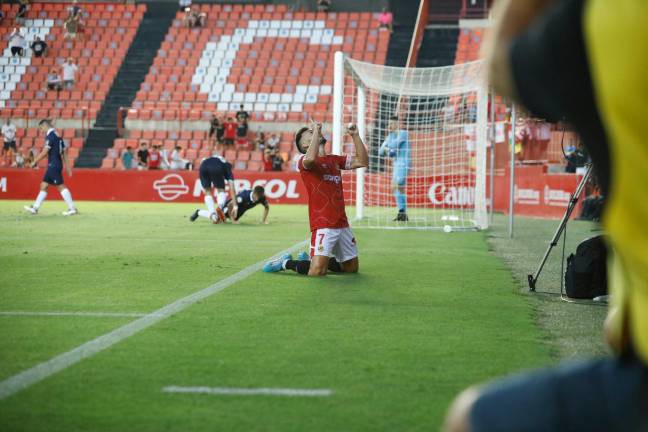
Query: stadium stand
98,56
97,52
277,63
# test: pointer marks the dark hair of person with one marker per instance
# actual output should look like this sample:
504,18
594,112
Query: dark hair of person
298,137
259,191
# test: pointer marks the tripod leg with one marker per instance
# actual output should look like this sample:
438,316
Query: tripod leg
533,279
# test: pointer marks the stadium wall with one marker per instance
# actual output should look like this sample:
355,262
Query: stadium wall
536,193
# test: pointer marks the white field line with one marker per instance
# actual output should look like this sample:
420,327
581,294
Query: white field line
29,377
78,314
229,391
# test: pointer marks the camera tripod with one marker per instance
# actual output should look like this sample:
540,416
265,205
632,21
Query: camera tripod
533,278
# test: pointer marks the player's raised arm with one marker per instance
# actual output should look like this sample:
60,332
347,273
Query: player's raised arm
313,148
361,158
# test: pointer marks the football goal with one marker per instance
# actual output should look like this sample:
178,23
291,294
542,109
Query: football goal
426,133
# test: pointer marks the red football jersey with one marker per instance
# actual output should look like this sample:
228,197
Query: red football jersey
230,130
325,195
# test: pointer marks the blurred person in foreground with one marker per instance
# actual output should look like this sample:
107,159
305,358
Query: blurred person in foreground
581,60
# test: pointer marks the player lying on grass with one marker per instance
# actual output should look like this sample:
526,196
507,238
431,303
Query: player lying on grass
214,172
245,200
57,159
333,246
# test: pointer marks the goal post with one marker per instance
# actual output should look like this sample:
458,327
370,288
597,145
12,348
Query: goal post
426,134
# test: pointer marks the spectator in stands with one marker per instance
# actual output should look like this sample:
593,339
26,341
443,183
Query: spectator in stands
260,141
17,43
69,73
194,18
128,158
54,81
241,132
386,20
164,158
154,158
19,161
23,7
39,47
2,17
75,10
229,134
242,115
9,136
323,5
242,126
184,4
142,155
273,141
271,160
177,163
71,27
216,130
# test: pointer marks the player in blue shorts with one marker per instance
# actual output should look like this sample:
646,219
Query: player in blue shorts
215,171
56,160
397,147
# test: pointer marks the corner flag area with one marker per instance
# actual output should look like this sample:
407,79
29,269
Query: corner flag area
113,322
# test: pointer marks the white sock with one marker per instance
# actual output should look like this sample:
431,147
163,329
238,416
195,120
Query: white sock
204,213
65,193
39,199
222,198
209,202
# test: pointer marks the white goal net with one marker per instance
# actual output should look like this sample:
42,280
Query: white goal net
426,133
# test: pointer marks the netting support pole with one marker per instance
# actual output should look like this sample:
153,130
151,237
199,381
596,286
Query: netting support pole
492,158
360,173
338,100
512,170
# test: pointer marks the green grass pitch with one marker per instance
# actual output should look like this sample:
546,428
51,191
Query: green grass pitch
428,314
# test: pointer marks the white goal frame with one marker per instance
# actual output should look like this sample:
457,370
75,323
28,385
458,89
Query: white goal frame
459,79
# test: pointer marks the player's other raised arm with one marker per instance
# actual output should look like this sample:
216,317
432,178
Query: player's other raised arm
361,158
313,149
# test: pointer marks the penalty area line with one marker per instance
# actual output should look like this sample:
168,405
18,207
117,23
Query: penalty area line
73,313
233,391
31,376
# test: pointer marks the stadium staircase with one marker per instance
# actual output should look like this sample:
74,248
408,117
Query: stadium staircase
136,64
439,46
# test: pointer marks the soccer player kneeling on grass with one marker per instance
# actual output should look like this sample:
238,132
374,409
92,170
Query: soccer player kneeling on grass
333,246
214,172
56,160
